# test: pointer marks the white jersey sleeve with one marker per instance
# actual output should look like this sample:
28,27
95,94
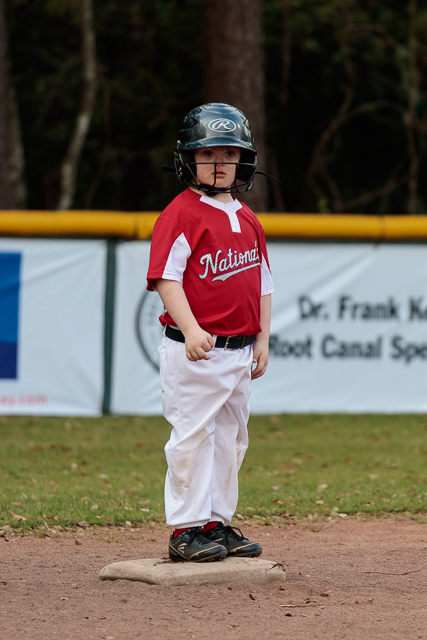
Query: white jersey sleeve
177,259
266,278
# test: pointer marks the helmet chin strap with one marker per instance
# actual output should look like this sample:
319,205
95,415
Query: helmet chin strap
212,189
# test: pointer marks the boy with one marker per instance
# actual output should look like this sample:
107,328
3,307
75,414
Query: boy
209,263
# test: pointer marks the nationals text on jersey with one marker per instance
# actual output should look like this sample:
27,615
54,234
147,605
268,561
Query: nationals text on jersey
233,260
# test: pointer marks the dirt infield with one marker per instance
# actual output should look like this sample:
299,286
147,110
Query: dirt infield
350,579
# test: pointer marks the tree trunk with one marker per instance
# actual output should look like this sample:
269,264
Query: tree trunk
6,201
234,72
16,154
412,78
71,160
13,190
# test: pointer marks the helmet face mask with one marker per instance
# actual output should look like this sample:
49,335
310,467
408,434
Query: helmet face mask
214,125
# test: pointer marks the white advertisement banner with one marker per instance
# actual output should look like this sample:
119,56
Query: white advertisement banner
137,335
349,330
348,334
51,326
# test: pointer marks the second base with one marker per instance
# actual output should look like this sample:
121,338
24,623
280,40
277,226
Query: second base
162,571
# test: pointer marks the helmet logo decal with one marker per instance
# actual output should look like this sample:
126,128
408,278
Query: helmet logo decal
222,124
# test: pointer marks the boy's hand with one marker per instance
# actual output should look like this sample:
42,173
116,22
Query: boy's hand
197,341
262,341
260,358
197,344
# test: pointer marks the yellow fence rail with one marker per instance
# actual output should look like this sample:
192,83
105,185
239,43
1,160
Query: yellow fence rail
139,226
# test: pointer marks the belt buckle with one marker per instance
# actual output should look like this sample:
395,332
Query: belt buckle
226,343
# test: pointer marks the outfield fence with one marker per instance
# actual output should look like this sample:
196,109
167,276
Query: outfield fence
79,333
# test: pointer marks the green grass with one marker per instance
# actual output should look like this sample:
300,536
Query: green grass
57,472
318,465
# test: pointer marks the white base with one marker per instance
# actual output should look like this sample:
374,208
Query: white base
164,572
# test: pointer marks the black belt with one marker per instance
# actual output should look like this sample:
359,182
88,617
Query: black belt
222,342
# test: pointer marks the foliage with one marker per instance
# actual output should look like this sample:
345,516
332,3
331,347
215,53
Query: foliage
146,85
350,137
57,472
356,67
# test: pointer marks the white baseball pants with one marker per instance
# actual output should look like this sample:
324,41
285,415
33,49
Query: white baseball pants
207,404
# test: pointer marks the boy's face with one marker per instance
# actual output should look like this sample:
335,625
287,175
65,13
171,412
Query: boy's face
216,166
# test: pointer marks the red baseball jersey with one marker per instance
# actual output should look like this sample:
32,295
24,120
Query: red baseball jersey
217,251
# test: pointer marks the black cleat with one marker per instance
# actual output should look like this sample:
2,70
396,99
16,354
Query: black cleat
193,546
236,544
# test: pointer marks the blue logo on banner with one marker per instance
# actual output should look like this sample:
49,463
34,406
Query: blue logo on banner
10,264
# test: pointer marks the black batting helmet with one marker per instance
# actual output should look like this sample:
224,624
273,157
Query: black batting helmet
213,125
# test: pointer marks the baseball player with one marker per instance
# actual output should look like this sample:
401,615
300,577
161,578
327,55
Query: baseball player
209,263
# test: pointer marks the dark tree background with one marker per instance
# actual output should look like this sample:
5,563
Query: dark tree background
234,71
5,189
336,91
